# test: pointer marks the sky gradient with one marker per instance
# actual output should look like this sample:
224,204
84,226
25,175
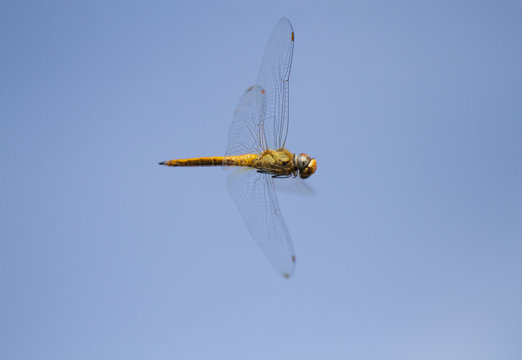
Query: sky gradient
410,249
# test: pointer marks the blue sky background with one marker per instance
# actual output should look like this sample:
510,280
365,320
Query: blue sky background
411,248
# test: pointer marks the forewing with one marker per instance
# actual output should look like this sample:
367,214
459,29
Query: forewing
246,134
273,76
256,200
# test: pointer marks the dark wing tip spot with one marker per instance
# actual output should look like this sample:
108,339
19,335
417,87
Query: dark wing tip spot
292,36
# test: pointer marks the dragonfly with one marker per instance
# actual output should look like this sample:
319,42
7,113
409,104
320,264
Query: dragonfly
256,147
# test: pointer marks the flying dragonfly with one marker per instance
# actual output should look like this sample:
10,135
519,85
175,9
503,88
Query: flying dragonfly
256,146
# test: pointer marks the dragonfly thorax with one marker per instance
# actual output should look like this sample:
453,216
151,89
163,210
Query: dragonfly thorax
283,163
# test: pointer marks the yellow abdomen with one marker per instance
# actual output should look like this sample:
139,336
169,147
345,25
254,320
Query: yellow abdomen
238,160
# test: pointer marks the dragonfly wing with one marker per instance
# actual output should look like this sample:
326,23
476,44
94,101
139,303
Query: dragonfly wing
273,76
261,122
246,134
256,199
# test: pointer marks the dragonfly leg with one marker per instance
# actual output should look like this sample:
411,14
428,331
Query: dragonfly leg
275,176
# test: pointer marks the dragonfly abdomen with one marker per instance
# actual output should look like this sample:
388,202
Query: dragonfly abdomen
238,160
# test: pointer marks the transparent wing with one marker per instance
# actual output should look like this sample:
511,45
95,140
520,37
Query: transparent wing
261,122
246,134
255,197
273,76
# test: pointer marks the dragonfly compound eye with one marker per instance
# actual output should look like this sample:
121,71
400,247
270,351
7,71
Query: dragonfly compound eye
309,169
302,161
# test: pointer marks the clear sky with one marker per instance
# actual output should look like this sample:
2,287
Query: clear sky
410,249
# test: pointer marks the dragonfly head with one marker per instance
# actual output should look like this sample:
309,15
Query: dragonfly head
305,164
